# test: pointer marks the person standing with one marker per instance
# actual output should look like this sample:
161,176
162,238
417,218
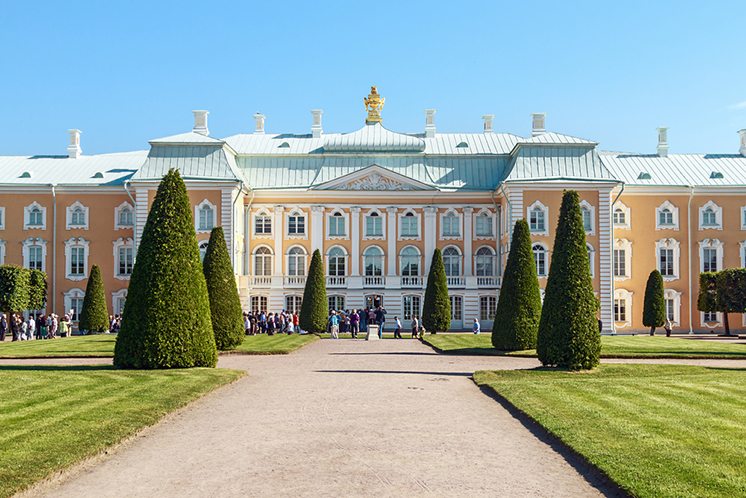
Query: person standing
354,324
31,327
381,320
667,327
397,328
476,328
334,325
3,326
296,321
415,326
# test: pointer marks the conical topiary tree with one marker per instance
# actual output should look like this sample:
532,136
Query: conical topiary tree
166,321
37,298
568,329
225,305
94,317
436,310
519,307
654,308
314,310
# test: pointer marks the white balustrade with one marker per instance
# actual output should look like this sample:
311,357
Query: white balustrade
374,281
295,281
336,281
261,281
412,282
456,281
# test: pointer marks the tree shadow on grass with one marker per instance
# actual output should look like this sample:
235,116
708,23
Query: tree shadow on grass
399,372
52,368
402,353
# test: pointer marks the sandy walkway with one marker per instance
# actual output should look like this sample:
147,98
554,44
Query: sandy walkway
341,418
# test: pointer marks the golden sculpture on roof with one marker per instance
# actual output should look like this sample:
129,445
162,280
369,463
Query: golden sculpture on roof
373,104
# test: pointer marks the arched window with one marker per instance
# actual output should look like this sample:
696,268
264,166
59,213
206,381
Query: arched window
540,257
205,216
586,210
262,224
451,224
263,262
77,217
485,262
35,259
452,261
126,218
296,262
296,223
373,261
337,262
620,217
203,249
709,218
409,262
483,224
337,225
665,217
35,217
537,218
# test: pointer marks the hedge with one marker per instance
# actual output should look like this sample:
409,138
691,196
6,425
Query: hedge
225,305
94,317
654,304
436,310
314,310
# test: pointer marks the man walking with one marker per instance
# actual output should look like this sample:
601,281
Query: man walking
334,325
380,319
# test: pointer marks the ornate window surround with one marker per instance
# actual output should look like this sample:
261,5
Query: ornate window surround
475,216
626,246
115,298
538,205
2,218
459,217
627,297
69,244
592,210
674,212
546,258
26,216
2,252
718,216
710,244
69,216
198,208
33,241
69,295
592,258
266,213
676,297
345,216
416,216
626,211
117,210
122,242
669,244
382,215
296,212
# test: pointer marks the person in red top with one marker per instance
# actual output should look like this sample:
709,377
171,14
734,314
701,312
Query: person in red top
295,322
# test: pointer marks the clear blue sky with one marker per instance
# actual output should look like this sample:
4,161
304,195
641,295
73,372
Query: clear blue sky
126,72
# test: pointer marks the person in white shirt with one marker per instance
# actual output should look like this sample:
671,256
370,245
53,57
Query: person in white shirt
31,327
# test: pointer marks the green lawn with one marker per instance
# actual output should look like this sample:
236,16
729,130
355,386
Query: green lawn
656,430
54,416
102,346
638,346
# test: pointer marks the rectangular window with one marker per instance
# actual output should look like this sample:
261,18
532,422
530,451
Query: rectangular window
293,303
620,310
373,226
35,259
125,261
666,262
258,304
620,263
77,261
537,222
337,226
587,221
457,313
296,225
263,224
710,317
411,307
670,309
709,259
451,226
409,226
119,305
76,305
336,303
487,307
484,226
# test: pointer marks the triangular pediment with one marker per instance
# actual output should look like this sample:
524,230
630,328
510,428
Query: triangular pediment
374,178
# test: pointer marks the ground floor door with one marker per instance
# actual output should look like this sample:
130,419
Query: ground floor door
457,312
373,301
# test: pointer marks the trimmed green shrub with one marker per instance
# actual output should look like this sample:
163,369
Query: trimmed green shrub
436,310
654,308
518,312
225,305
37,295
707,298
314,310
723,291
14,288
568,329
94,317
166,321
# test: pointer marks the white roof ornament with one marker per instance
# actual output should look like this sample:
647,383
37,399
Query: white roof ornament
316,129
488,122
429,123
259,118
538,123
200,122
73,150
742,149
662,149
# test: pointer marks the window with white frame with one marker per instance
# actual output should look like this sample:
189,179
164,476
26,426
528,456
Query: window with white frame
296,262
711,255
409,262
667,255
588,213
409,225
484,224
263,261
263,223
672,300
373,225
76,255
293,303
622,258
487,307
337,262
74,303
373,261
203,249
118,300
710,317
537,214
591,259
34,254
2,218
124,216
2,252
77,216
622,307
205,215
337,225
484,262
411,306
540,257
258,304
743,257
743,218
457,308
621,216
710,216
450,223
452,261
296,223
667,217
124,258
35,217
336,303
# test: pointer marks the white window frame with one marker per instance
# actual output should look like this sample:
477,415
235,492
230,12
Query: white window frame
2,252
198,208
711,325
459,223
626,246
346,217
295,306
742,256
115,298
494,261
264,214
710,244
296,213
453,299
592,212
675,296
401,261
417,217
489,298
484,212
68,297
2,218
76,242
626,212
69,216
271,265
674,213
381,254
718,216
27,213
743,219
537,205
202,247
546,259
461,260
122,242
408,314
34,241
591,258
626,296
345,257
304,261
118,210
380,215
669,244
262,303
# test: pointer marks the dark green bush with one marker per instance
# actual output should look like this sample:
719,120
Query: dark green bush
225,305
94,317
436,310
14,288
654,306
166,321
519,307
314,309
37,296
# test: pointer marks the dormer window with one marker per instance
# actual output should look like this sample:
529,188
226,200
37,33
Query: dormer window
644,176
462,145
716,175
284,145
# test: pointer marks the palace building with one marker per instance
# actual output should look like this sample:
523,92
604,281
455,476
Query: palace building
376,203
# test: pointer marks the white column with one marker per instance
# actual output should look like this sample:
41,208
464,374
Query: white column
605,271
141,214
391,241
429,235
277,231
317,229
468,240
355,240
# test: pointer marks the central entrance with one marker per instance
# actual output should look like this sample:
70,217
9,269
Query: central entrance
373,301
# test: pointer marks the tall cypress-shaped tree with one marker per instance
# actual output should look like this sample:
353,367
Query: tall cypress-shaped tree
654,308
225,305
166,322
519,308
314,310
436,310
568,329
37,290
94,317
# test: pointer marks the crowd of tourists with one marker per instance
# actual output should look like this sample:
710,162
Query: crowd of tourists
35,327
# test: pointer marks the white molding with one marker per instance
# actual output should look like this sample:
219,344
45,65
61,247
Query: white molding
115,297
592,258
69,216
69,295
69,245
627,297
675,216
669,244
416,215
711,325
626,246
742,253
537,205
297,212
718,216
743,218
459,217
122,242
118,210
493,223
272,257
33,241
197,209
592,210
626,212
26,216
671,294
546,258
265,212
2,218
382,216
711,244
382,255
2,252
345,216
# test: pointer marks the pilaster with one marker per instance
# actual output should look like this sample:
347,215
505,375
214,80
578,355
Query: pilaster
317,229
355,241
429,236
278,231
391,241
468,241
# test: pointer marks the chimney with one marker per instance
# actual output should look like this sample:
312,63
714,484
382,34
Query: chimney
200,122
662,142
429,123
742,149
259,118
538,123
316,129
488,122
73,150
